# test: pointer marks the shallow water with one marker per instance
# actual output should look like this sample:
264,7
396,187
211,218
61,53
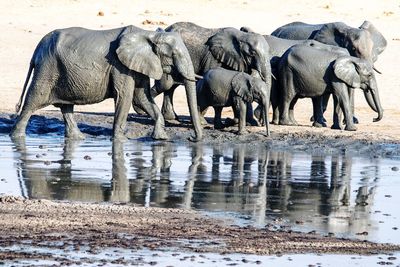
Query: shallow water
353,197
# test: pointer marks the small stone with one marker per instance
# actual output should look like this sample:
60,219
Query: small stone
395,169
87,157
100,14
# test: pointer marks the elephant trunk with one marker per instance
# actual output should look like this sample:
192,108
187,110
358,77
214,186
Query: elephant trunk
373,100
375,96
265,114
190,87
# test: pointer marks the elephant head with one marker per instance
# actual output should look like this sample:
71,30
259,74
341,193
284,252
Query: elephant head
156,53
252,89
365,42
358,73
242,51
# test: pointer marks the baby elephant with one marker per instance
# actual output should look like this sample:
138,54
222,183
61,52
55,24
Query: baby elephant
221,88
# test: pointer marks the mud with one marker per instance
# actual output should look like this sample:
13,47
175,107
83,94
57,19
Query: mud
97,226
293,138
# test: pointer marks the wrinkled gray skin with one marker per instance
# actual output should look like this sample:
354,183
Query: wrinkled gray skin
221,88
77,66
336,74
365,42
211,48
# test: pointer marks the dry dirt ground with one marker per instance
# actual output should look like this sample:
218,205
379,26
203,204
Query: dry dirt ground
24,23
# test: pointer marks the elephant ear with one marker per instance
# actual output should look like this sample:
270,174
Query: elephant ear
345,70
225,47
378,39
331,33
242,87
136,52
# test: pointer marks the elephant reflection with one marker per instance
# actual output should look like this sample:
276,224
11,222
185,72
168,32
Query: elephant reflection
57,179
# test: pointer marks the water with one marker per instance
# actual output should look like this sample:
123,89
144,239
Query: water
352,197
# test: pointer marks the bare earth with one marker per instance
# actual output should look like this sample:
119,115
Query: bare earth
25,22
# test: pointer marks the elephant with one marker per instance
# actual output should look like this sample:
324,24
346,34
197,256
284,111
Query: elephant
365,42
77,66
210,48
222,88
335,73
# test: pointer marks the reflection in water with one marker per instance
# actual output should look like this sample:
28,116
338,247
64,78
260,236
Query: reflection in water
256,182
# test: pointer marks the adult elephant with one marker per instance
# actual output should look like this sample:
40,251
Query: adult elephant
211,48
334,74
278,46
364,42
77,66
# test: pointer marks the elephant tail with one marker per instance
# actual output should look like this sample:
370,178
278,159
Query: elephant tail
19,104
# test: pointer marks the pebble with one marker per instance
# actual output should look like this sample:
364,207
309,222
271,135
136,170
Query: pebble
100,14
395,169
87,157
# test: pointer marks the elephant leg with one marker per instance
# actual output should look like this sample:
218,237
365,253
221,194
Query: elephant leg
143,93
203,111
250,117
336,114
291,111
259,114
71,128
122,100
167,108
217,118
351,96
341,91
19,128
242,116
34,100
287,96
318,112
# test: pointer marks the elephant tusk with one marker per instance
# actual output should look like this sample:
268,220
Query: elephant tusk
273,76
198,77
376,70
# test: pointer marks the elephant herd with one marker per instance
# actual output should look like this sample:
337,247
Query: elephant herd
218,67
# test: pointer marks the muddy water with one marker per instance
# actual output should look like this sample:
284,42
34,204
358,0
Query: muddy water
354,197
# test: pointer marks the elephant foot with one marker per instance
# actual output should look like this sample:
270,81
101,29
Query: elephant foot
138,110
219,126
319,124
159,134
275,121
242,132
336,127
230,122
203,121
285,122
120,137
252,122
170,115
259,117
76,135
195,138
350,128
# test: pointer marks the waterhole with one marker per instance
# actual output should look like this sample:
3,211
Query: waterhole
347,196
